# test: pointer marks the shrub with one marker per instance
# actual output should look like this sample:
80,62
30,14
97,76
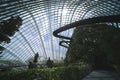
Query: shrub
57,73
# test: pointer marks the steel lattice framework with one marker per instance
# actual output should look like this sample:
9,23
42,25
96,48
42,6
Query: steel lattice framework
41,18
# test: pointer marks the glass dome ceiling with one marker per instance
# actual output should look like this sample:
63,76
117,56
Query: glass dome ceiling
41,18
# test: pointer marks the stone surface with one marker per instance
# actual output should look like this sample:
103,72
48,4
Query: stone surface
102,75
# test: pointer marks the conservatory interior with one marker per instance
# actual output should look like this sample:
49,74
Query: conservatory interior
59,40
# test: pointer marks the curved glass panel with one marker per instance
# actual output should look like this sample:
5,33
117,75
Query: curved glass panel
41,18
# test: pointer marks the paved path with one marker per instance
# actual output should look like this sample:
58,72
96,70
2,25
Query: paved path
102,75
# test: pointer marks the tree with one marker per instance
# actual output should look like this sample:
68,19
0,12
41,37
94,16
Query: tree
49,63
36,58
8,28
33,61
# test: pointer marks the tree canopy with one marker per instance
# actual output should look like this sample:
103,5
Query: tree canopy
8,28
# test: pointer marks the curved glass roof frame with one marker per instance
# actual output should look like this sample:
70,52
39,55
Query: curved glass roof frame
41,18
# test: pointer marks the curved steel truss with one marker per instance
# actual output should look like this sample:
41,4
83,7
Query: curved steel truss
41,18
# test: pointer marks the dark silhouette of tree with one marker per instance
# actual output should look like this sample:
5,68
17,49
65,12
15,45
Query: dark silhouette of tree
49,63
8,28
33,61
30,65
36,58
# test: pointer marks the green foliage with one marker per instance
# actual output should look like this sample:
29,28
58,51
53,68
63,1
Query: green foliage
10,26
7,65
57,73
58,64
8,29
11,62
1,49
49,63
95,44
4,38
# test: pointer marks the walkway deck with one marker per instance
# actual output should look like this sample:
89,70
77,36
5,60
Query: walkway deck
102,75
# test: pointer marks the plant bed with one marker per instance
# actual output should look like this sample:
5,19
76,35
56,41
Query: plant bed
56,73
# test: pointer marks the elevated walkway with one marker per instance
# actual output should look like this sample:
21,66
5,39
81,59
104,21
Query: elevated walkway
102,75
